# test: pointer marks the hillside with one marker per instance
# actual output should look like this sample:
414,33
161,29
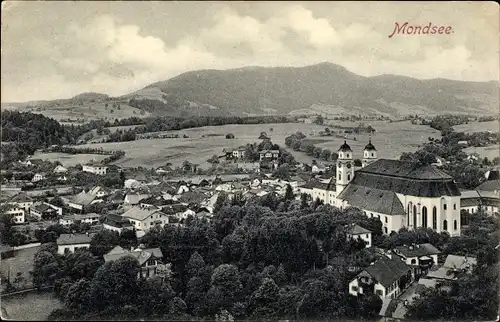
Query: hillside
323,88
331,88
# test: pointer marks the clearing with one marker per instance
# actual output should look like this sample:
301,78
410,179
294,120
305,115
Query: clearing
69,160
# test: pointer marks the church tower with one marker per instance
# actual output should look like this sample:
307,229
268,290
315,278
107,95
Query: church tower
345,167
369,154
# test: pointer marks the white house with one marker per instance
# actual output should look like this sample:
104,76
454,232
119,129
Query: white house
420,257
91,219
150,260
144,219
21,200
269,155
72,242
38,177
60,169
116,223
43,210
357,232
17,213
95,168
387,278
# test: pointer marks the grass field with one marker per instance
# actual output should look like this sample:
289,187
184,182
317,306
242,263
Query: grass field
493,126
391,139
489,152
21,262
31,306
69,160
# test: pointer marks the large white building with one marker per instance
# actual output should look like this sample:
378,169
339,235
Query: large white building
399,193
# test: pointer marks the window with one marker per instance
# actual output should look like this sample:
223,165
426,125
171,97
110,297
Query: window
444,206
455,225
385,230
379,292
413,261
371,215
424,217
340,176
348,177
434,217
454,206
367,236
354,288
445,224
386,219
414,216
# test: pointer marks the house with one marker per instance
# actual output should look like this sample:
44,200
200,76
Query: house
82,200
95,168
144,219
357,232
21,200
238,153
99,191
463,143
486,196
42,210
420,257
116,223
135,198
163,170
91,219
387,277
72,243
150,260
32,162
39,177
269,155
318,168
17,213
157,201
452,267
60,169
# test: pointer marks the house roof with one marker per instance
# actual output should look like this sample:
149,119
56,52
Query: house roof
192,197
116,221
156,201
417,250
135,198
21,197
357,230
80,217
406,178
83,198
489,185
42,207
345,147
140,214
72,239
372,199
455,261
386,270
142,255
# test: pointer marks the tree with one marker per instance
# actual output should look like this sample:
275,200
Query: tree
214,159
103,242
358,163
220,202
319,120
230,136
289,195
264,300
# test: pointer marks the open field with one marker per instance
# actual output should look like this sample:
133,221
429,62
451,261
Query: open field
391,139
21,262
69,160
489,152
30,306
493,126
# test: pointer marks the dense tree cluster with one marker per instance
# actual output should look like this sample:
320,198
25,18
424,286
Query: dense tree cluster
299,142
446,122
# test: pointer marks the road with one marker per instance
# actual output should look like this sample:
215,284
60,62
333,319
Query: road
409,294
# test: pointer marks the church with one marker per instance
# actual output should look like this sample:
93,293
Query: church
399,193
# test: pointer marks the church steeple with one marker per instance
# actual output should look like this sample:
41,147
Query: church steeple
369,153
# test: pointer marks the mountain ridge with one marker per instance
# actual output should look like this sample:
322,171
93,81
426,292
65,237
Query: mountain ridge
325,87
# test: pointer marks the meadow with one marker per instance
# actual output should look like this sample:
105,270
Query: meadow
30,306
69,160
391,139
489,152
493,126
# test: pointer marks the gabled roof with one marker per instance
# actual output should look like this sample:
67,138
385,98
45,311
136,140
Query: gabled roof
455,261
372,199
72,239
21,197
192,197
357,230
135,198
404,169
142,255
417,250
386,270
116,221
83,198
42,207
490,185
140,214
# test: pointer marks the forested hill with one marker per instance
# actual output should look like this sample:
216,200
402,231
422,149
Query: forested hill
327,87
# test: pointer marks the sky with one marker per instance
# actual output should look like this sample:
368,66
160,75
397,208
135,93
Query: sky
53,50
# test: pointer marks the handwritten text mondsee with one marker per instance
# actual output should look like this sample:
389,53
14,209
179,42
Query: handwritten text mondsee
420,30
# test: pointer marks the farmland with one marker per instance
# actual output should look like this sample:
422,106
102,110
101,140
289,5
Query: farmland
390,138
489,152
69,160
30,306
492,126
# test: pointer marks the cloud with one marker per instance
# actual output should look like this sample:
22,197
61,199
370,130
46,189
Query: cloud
117,55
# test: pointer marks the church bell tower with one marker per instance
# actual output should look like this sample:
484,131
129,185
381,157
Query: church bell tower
345,167
369,154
